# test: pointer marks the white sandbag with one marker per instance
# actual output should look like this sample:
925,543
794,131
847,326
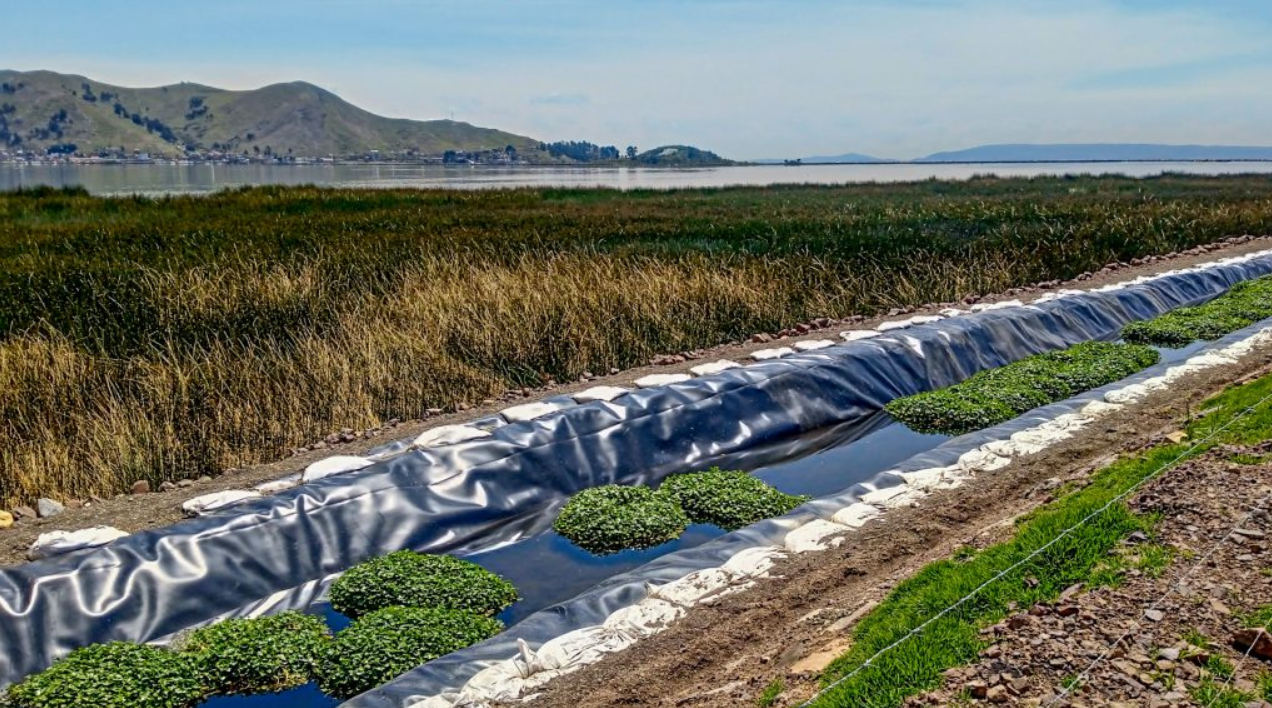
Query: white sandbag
336,464
599,393
889,326
654,380
767,354
1127,394
1099,409
858,334
813,345
1010,448
714,367
58,542
909,496
985,306
530,411
501,682
448,435
817,535
754,562
695,588
879,496
574,650
954,312
981,460
856,515
277,485
208,503
925,478
644,619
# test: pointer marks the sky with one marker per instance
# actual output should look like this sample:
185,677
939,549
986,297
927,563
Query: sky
746,78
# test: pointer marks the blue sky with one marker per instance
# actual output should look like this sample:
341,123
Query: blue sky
747,78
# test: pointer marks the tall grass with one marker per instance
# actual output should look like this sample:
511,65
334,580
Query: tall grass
167,338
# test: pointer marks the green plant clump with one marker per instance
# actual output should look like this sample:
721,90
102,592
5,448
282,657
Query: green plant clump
409,579
729,499
1243,305
613,518
115,675
388,642
259,655
998,395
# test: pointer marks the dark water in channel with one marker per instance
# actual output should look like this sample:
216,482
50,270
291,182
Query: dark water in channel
548,569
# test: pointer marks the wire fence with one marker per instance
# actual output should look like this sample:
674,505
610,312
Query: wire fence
1170,589
824,691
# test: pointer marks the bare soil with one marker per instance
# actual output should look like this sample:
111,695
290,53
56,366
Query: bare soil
134,513
791,626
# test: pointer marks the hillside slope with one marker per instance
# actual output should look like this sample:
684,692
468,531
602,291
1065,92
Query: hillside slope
40,109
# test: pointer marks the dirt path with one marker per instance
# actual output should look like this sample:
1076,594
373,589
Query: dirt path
1166,628
790,627
134,513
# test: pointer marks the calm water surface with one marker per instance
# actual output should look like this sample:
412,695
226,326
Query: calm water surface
126,179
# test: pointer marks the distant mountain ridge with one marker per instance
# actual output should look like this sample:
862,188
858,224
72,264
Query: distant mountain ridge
1058,152
846,158
43,109
1081,152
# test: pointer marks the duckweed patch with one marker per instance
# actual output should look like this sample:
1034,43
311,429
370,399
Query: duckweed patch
388,642
410,579
1243,305
260,654
115,675
613,518
729,499
998,395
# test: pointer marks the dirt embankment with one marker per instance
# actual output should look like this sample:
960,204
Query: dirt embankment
790,627
133,513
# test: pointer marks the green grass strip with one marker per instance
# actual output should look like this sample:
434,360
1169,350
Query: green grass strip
1243,305
918,664
998,395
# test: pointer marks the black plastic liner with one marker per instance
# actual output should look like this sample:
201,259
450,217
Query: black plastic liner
280,551
449,673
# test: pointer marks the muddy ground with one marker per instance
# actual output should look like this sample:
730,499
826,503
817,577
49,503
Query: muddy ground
790,627
134,513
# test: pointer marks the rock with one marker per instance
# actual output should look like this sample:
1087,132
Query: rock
167,487
1250,533
1256,640
761,338
141,486
1154,615
977,689
24,512
48,507
205,478
185,483
6,519
997,694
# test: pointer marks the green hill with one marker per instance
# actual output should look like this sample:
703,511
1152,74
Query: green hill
682,155
43,109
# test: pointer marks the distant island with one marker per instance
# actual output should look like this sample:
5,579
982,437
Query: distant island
47,116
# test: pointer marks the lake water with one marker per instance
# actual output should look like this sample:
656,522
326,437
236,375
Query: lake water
151,179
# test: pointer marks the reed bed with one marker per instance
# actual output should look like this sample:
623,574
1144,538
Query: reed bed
167,338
